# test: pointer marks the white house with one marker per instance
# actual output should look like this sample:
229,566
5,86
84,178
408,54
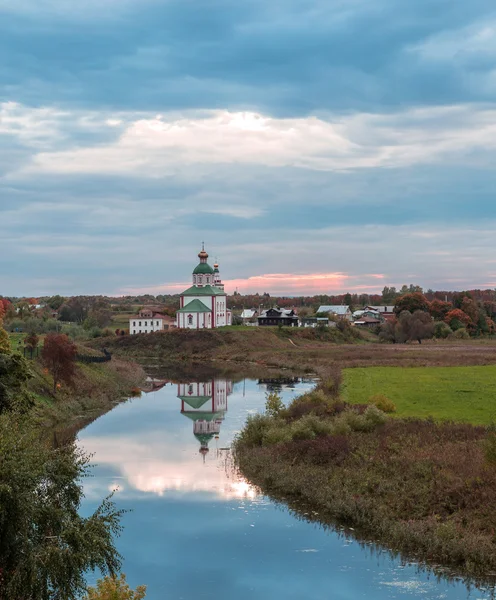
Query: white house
248,315
204,304
339,310
148,321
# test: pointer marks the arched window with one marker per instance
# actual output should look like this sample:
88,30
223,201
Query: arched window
190,319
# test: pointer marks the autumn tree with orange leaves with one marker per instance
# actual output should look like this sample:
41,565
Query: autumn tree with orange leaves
59,357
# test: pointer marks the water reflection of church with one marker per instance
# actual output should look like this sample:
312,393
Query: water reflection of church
206,405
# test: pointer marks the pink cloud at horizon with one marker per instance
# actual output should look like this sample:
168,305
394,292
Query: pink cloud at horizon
283,283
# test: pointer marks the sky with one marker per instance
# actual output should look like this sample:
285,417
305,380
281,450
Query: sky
315,146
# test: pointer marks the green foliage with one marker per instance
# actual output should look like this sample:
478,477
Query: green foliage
45,545
383,403
442,330
115,588
254,432
14,374
273,404
55,302
460,333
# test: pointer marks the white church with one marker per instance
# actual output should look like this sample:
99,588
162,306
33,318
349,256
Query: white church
204,304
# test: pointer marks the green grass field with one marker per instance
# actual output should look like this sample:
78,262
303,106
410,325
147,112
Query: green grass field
447,393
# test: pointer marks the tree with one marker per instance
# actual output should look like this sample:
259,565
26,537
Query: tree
470,308
23,309
389,295
59,355
417,326
115,588
439,309
31,342
459,297
55,302
457,319
411,302
46,546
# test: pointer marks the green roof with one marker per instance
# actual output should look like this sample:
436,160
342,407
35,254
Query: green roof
206,290
204,438
203,269
195,306
195,401
203,416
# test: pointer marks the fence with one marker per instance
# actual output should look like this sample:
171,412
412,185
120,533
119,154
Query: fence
86,358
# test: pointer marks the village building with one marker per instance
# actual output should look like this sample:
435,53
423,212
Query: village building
204,304
278,316
248,316
369,320
339,310
386,312
314,322
148,320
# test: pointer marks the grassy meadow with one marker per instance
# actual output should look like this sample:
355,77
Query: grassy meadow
464,394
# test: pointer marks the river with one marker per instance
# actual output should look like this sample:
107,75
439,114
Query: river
195,531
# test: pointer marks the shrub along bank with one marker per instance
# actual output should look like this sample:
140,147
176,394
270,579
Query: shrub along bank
422,488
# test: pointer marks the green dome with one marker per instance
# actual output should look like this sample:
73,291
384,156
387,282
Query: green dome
203,269
204,438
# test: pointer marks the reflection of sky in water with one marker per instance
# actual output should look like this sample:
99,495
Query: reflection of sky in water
195,532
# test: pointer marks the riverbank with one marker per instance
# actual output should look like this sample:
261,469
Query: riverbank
420,488
299,350
97,387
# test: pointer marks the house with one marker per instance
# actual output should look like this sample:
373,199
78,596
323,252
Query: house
248,315
381,309
369,321
317,322
204,304
340,310
278,316
149,321
387,312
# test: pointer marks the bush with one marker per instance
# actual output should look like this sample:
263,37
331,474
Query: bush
273,404
442,330
254,431
460,334
321,451
383,403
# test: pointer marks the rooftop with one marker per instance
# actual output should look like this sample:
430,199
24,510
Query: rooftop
206,290
196,306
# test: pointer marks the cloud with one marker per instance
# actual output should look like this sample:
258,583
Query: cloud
297,138
161,145
291,58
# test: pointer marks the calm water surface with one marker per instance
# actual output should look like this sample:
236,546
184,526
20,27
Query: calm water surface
197,532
